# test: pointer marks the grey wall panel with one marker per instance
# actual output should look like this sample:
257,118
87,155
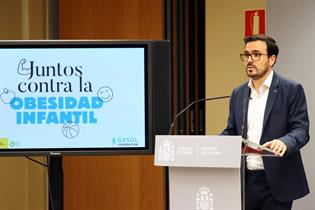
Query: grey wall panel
291,23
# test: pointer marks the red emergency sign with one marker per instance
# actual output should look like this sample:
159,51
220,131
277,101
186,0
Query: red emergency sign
255,22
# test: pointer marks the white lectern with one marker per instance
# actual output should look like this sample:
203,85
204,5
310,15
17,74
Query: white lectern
204,171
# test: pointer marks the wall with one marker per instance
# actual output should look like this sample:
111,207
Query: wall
112,182
291,23
224,43
23,182
110,19
11,19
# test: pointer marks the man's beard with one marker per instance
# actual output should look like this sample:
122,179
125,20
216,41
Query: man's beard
259,73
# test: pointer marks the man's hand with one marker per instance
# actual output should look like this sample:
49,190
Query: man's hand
278,147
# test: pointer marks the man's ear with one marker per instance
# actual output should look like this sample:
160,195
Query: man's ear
273,60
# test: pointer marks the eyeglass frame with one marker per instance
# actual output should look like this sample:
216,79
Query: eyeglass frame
250,55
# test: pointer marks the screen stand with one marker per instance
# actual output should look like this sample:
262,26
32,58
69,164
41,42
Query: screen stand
55,187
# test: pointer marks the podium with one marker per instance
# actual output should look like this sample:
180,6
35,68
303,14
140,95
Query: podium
204,171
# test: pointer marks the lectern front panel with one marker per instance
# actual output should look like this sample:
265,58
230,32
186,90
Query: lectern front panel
204,188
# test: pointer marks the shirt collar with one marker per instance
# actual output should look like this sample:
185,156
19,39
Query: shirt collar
267,82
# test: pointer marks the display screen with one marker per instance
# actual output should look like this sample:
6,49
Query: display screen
73,97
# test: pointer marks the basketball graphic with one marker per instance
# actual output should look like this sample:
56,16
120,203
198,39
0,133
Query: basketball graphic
70,130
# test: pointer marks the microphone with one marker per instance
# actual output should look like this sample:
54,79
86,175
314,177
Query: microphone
189,105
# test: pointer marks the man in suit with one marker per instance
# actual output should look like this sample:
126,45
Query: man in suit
270,110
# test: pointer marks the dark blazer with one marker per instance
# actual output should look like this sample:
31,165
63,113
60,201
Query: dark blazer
285,118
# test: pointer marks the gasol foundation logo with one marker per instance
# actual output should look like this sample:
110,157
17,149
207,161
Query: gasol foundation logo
204,199
34,100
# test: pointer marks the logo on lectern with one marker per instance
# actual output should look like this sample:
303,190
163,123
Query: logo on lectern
166,151
204,199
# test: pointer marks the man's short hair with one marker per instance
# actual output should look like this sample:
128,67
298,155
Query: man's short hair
272,47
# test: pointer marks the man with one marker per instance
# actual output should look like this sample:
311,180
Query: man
270,110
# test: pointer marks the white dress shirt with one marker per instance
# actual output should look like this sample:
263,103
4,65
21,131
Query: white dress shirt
255,118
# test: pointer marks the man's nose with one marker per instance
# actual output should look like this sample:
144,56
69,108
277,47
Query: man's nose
250,59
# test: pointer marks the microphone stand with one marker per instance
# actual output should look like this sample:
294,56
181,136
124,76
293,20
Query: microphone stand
166,171
189,105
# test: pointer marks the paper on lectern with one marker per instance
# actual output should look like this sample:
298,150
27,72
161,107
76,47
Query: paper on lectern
254,148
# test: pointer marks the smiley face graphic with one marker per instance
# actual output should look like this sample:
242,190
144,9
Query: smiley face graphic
105,93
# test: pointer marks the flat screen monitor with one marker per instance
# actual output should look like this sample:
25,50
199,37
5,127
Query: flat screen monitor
80,97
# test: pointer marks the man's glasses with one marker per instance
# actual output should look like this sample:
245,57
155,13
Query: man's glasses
255,56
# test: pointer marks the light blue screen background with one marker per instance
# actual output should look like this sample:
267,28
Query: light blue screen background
120,121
